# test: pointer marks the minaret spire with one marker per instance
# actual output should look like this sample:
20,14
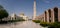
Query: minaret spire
34,8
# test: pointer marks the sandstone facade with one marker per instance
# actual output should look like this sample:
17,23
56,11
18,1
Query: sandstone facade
50,15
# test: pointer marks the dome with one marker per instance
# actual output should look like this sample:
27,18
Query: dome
22,14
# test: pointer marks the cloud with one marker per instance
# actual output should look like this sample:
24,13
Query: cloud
46,1
59,3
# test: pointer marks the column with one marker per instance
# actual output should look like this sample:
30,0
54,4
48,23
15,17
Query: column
47,16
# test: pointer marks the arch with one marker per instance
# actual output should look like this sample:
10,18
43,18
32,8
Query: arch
45,16
56,14
49,11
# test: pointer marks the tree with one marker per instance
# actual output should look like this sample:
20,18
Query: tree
3,12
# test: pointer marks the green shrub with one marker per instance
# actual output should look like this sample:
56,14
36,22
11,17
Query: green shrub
44,24
15,20
50,25
54,25
36,21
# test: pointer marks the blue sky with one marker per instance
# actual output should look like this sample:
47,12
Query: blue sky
26,6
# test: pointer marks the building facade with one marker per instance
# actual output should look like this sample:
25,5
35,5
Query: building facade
15,17
51,15
23,16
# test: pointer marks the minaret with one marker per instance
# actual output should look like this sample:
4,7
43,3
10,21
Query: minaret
34,9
